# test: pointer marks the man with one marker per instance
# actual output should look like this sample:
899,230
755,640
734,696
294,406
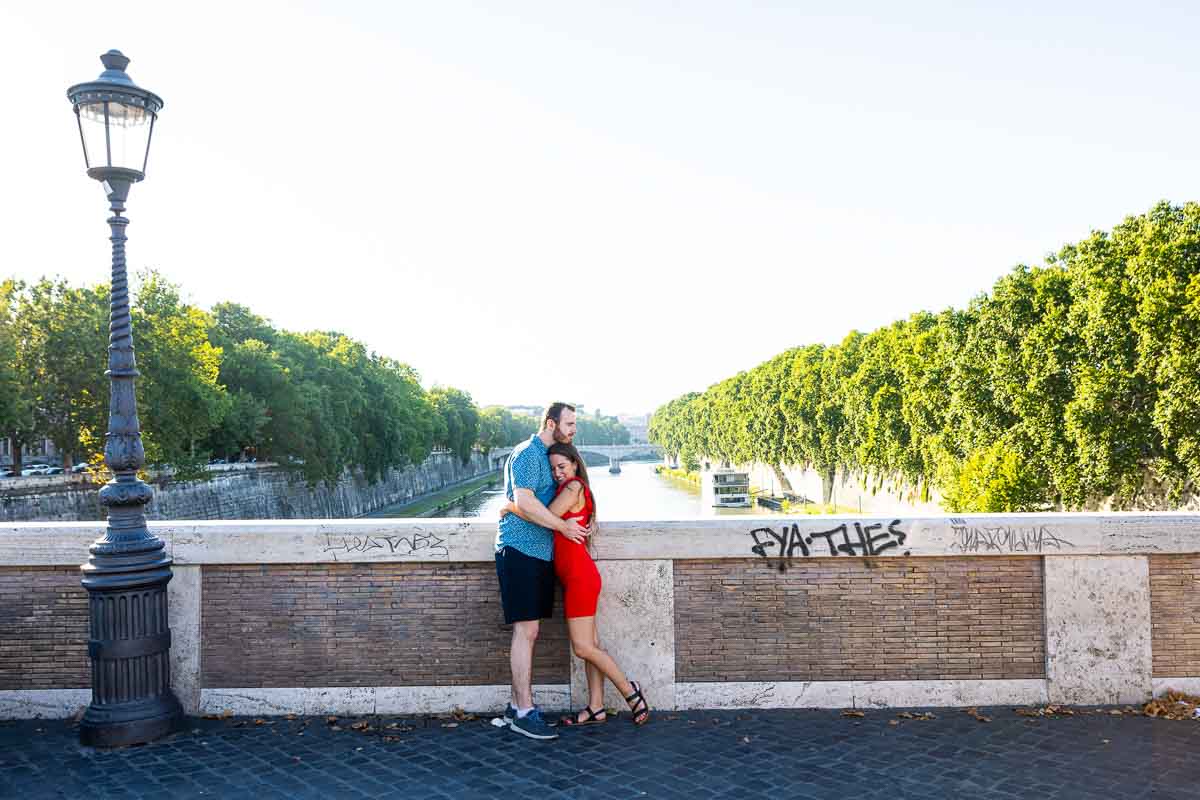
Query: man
525,559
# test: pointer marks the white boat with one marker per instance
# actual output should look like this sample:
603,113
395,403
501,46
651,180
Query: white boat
730,489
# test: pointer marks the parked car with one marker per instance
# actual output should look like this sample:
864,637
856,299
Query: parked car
7,473
52,471
78,468
35,469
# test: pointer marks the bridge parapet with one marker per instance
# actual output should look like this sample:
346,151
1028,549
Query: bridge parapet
972,610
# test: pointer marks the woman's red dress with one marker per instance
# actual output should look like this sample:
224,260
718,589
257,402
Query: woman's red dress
573,563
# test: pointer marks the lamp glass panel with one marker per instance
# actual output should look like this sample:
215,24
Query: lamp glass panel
91,125
128,132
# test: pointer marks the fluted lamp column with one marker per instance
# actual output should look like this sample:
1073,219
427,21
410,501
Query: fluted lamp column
127,574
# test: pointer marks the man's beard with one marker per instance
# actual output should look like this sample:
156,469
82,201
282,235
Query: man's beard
561,438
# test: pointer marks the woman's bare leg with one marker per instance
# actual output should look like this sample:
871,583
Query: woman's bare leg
584,642
595,678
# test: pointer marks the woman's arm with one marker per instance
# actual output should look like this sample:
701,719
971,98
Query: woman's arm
569,499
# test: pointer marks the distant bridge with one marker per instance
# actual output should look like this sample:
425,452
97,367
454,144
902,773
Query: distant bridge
615,453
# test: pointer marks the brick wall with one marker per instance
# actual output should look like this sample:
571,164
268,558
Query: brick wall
840,619
1175,615
43,629
312,625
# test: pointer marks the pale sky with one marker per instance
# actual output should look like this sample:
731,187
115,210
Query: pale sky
613,203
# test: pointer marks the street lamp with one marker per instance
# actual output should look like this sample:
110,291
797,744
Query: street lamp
127,574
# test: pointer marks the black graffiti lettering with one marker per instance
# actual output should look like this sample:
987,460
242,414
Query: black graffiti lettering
760,546
879,542
867,539
848,546
828,538
796,542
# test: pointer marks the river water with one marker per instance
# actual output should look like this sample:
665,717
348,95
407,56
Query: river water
636,493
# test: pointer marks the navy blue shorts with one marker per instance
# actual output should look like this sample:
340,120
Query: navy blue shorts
527,586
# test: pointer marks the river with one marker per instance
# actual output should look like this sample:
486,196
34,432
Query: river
636,493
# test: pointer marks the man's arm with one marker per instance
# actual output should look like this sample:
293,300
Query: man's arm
510,507
566,500
530,508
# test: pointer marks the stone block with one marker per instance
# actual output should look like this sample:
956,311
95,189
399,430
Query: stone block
1098,629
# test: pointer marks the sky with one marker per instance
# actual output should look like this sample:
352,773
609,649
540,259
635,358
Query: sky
608,203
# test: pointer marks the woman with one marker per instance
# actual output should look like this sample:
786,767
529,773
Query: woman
581,590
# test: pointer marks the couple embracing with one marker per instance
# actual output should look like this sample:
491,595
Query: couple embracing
543,537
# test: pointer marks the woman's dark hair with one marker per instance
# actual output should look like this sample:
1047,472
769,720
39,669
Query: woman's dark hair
568,451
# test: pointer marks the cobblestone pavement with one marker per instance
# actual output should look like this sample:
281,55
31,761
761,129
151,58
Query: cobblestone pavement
692,755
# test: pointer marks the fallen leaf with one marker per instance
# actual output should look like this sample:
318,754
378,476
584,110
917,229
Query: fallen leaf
260,722
226,714
1173,705
449,724
331,720
851,712
893,722
360,726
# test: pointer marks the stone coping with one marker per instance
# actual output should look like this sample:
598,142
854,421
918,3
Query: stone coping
775,538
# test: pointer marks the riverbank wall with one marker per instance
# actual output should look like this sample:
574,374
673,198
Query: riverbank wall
854,492
403,616
850,492
266,493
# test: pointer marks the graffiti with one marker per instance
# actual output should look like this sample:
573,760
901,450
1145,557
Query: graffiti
1003,538
864,539
420,543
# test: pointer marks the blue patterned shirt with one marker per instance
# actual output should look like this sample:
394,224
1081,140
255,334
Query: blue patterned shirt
528,467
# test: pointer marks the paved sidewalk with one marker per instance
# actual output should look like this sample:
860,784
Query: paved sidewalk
683,756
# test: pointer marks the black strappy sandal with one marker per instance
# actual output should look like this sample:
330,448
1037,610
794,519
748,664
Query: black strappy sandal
593,718
640,715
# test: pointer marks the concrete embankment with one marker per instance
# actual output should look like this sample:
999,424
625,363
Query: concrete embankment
267,493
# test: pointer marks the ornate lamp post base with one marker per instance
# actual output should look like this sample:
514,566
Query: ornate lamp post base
130,723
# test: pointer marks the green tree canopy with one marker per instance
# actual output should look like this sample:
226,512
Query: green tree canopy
1069,385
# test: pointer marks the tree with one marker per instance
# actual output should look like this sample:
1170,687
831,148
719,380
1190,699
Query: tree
16,408
63,336
458,420
1069,385
1163,271
233,324
500,427
599,429
181,401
